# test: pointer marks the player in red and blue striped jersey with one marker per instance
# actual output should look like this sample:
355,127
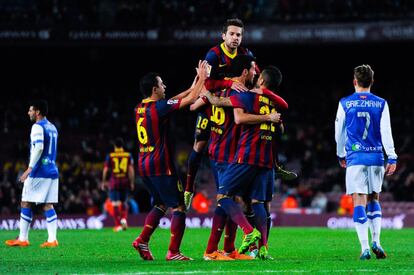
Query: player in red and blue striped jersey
219,58
251,172
155,164
120,165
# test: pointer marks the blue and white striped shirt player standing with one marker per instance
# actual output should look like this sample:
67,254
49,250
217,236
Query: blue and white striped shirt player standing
362,133
41,179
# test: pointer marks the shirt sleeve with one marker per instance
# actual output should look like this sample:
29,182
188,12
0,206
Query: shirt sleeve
340,132
37,139
386,135
166,107
212,58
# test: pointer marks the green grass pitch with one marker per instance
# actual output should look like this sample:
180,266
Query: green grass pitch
295,250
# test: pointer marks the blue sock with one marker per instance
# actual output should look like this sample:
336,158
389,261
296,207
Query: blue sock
51,224
26,214
374,215
50,215
374,210
194,160
361,226
25,220
234,211
261,221
359,214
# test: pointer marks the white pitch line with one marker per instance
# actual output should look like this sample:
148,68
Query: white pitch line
250,271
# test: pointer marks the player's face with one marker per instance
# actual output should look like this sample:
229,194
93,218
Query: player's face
160,89
233,37
32,114
251,74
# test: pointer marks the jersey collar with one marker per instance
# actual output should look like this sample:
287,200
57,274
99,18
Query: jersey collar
226,52
147,100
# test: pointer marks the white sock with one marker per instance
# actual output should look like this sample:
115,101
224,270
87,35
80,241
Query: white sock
362,232
24,230
51,225
376,229
25,220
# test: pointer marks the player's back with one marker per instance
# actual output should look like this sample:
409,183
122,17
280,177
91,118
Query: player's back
154,156
224,132
118,162
363,113
255,146
46,166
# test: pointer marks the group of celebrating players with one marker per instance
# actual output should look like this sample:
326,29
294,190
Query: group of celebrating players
238,120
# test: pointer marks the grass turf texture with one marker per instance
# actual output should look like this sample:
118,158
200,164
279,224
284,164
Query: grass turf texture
295,250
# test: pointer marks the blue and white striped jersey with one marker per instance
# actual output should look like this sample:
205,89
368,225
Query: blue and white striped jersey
363,130
44,132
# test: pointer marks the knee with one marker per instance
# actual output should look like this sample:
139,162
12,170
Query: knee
25,204
199,146
47,206
161,207
221,196
180,208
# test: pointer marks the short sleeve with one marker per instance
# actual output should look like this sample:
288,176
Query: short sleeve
165,107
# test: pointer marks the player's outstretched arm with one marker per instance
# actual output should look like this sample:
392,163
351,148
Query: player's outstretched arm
195,91
197,104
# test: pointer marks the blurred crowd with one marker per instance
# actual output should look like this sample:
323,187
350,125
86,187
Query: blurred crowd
89,122
177,13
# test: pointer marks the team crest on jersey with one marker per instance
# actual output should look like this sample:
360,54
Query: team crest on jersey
172,101
356,146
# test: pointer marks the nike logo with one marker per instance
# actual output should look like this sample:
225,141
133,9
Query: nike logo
222,65
221,187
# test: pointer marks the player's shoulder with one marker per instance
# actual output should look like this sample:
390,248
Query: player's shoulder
378,98
215,49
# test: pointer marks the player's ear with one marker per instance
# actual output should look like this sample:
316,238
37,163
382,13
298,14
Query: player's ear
223,35
355,82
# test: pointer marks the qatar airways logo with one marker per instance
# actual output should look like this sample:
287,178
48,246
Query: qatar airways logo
93,222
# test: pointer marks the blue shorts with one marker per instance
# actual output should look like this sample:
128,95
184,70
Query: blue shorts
165,190
218,170
118,195
246,180
202,130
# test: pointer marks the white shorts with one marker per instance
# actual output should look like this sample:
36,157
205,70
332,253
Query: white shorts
364,179
40,190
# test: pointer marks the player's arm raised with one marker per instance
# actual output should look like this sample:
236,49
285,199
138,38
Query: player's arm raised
195,91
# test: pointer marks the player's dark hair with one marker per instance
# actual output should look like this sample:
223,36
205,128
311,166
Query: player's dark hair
119,142
233,22
272,77
148,82
41,106
364,75
240,63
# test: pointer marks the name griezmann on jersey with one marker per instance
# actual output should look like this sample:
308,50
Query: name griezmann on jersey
364,103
